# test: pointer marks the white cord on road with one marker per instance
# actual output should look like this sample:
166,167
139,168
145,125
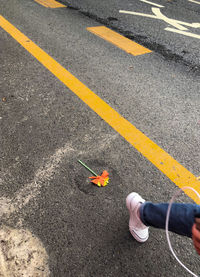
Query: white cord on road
167,226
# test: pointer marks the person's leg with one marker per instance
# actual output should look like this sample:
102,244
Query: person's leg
181,220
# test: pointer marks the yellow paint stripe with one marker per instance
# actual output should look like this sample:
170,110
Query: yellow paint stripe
50,4
162,160
118,40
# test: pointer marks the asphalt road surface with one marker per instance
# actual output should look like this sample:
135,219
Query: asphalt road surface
136,116
174,31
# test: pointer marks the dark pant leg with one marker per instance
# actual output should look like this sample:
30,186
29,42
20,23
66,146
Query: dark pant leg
182,216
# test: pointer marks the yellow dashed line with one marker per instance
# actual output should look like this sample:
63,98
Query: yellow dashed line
50,4
157,156
118,40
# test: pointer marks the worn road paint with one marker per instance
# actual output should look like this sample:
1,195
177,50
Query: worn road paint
151,3
30,191
194,1
118,40
22,254
156,155
183,33
158,15
179,25
50,4
176,23
136,13
46,172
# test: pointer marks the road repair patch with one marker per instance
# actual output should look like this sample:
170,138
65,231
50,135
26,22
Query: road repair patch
22,254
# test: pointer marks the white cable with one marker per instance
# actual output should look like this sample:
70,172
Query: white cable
167,226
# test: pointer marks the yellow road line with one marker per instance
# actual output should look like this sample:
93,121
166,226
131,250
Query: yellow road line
118,40
162,160
50,4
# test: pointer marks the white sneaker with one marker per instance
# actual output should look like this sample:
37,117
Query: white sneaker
137,229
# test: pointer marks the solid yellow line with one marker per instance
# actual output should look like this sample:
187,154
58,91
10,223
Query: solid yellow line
50,4
162,160
118,40
41,2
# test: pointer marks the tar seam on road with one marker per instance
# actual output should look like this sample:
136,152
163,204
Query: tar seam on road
50,4
157,156
120,41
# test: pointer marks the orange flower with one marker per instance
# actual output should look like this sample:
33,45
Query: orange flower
100,181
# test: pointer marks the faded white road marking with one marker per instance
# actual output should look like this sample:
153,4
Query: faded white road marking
179,25
22,254
107,141
44,174
31,190
182,33
151,3
194,1
158,15
176,23
141,14
170,21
